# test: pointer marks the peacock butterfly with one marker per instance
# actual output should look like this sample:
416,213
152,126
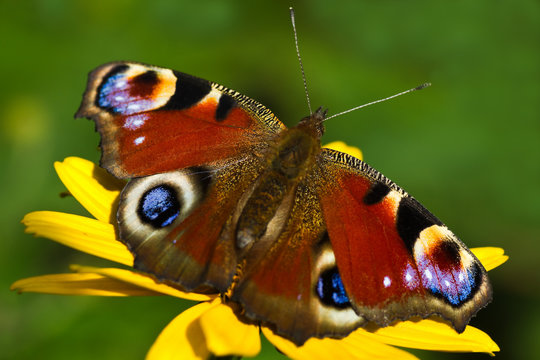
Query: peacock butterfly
224,198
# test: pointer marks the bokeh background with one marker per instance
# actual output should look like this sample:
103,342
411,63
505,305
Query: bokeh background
468,147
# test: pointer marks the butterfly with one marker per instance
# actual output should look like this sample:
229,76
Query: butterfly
223,198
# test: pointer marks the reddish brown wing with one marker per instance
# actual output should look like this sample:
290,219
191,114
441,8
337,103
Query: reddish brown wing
286,280
154,120
395,259
193,148
180,224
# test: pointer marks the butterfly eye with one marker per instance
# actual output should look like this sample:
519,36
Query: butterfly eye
159,206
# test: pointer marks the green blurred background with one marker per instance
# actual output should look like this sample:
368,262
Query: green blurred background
468,147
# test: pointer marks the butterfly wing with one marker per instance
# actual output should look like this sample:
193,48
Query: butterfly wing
193,148
287,281
395,259
180,225
346,245
153,120
351,247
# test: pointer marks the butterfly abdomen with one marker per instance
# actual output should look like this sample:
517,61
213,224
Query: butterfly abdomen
295,152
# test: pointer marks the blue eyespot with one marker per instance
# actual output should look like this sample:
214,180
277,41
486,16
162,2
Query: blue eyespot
113,92
330,289
456,285
159,206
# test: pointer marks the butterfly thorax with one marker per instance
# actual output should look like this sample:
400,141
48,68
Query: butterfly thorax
295,152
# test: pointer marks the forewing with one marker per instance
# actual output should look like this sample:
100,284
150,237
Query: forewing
154,120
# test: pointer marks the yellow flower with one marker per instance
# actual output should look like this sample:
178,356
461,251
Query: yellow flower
209,327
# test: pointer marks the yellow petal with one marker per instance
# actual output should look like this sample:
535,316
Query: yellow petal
91,185
79,284
226,335
490,257
141,280
354,346
183,338
341,146
430,334
79,232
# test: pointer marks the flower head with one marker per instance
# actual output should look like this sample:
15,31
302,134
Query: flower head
209,327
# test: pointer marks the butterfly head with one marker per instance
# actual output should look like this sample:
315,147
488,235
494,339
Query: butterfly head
313,124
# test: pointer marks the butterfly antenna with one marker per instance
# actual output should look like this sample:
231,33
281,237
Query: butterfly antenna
425,85
300,60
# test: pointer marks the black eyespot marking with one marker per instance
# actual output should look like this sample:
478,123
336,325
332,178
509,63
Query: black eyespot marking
159,206
189,91
330,289
225,105
376,193
147,79
448,253
412,218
